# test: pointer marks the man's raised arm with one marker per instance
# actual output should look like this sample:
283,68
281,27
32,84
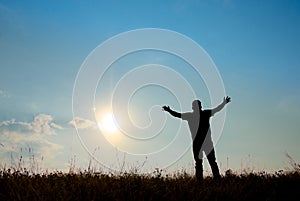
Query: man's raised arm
221,106
173,113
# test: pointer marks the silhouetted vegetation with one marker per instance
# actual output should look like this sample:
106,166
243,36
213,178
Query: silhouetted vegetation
96,186
27,181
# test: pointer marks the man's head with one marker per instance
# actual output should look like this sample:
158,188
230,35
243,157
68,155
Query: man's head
196,105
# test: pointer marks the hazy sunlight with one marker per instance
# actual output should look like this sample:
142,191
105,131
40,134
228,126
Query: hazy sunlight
107,124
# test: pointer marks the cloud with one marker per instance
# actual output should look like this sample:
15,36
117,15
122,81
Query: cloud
13,142
41,124
7,122
12,124
56,126
81,123
18,135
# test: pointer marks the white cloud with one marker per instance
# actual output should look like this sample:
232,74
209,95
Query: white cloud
41,124
81,123
12,142
7,122
56,126
15,136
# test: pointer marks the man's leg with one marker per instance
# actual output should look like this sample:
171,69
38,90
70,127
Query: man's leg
198,167
213,164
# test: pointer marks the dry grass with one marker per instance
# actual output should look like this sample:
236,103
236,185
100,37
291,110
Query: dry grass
30,183
92,186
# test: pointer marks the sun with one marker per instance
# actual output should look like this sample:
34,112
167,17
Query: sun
108,124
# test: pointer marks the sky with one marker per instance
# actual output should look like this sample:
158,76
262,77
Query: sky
253,44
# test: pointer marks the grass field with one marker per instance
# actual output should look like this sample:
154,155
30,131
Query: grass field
92,186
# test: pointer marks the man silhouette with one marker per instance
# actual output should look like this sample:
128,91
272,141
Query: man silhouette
199,125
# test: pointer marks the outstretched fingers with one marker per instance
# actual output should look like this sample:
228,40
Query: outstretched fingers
166,108
228,99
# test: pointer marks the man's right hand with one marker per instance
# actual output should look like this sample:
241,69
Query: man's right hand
166,108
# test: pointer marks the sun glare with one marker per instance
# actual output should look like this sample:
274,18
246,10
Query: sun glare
108,124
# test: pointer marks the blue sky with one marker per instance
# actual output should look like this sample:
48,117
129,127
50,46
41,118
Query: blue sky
254,44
